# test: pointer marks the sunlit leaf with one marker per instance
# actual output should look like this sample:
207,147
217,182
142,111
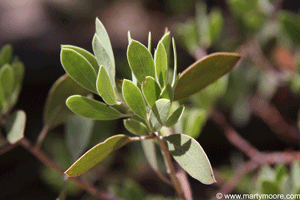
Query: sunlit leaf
78,134
105,87
55,111
96,154
204,72
149,42
159,113
134,98
87,55
191,157
104,59
91,108
79,69
15,126
161,64
151,90
140,61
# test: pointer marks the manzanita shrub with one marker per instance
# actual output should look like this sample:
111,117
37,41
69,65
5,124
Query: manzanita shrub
144,102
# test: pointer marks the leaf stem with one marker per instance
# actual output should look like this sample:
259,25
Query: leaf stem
42,136
147,137
170,167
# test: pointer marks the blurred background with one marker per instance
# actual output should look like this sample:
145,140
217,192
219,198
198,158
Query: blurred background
37,28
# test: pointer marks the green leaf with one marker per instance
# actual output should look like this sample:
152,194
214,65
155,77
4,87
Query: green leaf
166,41
151,90
140,61
291,25
134,98
55,111
79,69
175,116
91,108
18,69
149,42
175,77
135,127
3,102
78,132
191,157
161,64
204,72
159,113
97,154
167,92
87,55
104,59
105,87
215,24
7,80
15,126
6,54
105,41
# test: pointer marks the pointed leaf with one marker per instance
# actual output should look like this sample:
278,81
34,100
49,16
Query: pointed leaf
204,72
159,113
78,131
6,54
174,80
140,61
135,127
91,108
151,90
104,59
104,39
167,92
191,157
87,55
166,41
161,64
7,80
105,87
79,69
15,126
134,98
175,116
97,154
55,111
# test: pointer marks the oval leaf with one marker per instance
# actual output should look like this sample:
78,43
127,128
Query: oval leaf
135,127
91,108
140,61
55,111
7,80
191,157
96,154
134,98
175,116
167,92
87,55
159,113
79,69
104,39
151,90
161,64
78,132
204,72
104,59
105,87
6,54
15,126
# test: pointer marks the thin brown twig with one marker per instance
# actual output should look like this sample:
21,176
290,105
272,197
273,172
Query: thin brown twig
42,136
48,162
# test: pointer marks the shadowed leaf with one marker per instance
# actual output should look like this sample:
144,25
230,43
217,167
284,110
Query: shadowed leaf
105,87
151,90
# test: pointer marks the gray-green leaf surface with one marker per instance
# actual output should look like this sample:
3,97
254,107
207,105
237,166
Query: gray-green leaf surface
105,88
15,126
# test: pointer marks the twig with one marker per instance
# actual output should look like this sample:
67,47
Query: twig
42,136
170,167
8,147
47,161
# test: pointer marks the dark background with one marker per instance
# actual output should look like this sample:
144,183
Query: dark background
37,28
